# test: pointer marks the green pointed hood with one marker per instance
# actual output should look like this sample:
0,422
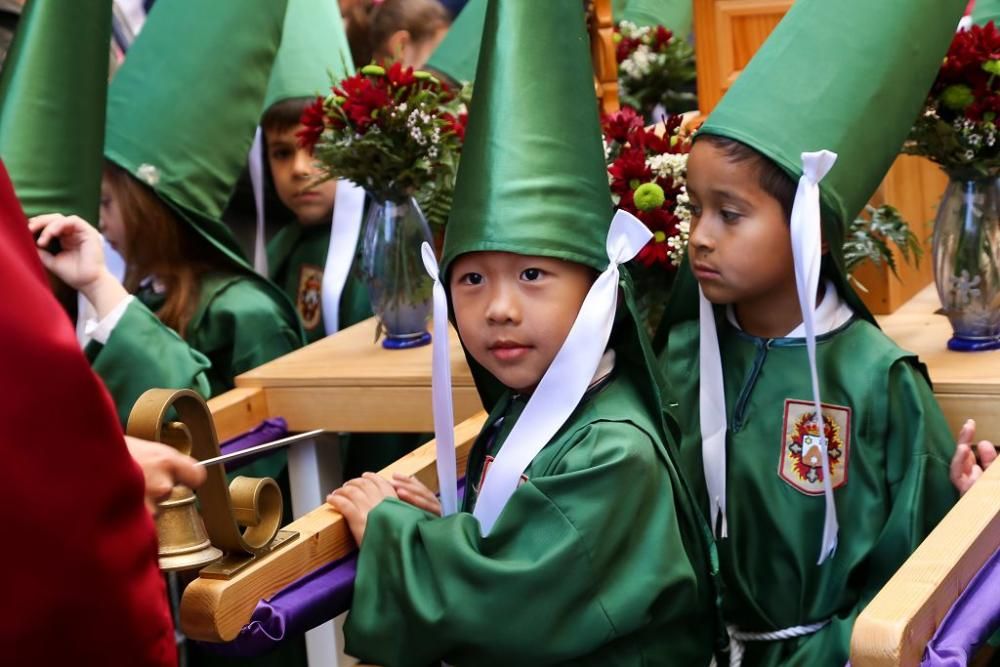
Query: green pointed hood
458,53
985,11
675,15
847,76
183,107
52,100
313,49
532,178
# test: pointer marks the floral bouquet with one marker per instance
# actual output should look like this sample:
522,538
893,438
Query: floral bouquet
647,172
958,126
394,131
655,69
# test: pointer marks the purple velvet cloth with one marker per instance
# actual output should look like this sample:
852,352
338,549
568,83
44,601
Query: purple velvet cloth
970,621
266,431
302,605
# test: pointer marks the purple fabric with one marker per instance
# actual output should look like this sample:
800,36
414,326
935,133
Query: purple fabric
970,621
302,605
266,431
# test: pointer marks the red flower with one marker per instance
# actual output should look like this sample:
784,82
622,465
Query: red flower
363,98
653,253
625,47
400,76
629,171
662,37
313,124
456,124
618,125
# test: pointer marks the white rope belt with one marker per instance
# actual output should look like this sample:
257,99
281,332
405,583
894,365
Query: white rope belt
737,638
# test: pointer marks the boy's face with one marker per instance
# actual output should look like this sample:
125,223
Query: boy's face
514,311
740,246
294,170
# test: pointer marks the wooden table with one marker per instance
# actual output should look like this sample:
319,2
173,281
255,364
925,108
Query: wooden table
348,383
967,384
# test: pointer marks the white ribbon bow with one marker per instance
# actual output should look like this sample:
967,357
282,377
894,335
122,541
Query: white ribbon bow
256,167
807,239
564,383
444,413
344,231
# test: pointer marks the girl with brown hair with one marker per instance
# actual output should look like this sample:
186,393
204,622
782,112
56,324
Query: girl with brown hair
407,31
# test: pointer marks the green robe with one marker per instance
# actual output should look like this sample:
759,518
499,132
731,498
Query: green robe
297,258
237,326
895,486
597,558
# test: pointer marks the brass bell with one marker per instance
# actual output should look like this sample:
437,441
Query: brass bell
184,544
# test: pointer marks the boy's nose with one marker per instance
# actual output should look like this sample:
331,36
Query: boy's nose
503,308
700,240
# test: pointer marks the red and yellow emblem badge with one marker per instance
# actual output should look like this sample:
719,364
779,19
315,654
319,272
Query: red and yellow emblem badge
310,296
801,463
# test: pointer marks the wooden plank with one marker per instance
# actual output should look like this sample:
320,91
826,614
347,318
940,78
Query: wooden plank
365,409
918,328
237,411
215,610
351,358
895,627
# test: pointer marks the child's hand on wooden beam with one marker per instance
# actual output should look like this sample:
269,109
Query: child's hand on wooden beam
411,490
359,496
971,458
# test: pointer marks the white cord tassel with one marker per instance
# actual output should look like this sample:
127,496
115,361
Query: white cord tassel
807,239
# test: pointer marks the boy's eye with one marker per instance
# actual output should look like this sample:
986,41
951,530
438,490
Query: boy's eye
729,216
281,154
471,279
105,201
531,274
694,209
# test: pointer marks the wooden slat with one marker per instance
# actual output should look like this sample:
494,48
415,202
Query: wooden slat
215,610
237,411
895,627
365,409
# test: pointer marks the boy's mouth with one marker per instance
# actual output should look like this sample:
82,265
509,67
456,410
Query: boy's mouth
508,350
704,271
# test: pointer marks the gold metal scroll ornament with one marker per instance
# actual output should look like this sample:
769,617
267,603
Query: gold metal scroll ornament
242,518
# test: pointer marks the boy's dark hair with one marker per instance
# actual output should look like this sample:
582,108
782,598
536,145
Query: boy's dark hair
772,179
284,115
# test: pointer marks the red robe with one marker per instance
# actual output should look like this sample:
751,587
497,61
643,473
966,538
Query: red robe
80,583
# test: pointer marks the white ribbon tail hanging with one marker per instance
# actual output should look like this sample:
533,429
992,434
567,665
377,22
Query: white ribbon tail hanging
444,411
807,239
255,163
567,378
712,415
345,227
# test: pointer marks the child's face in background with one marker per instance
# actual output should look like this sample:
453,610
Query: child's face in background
740,246
294,170
514,311
111,224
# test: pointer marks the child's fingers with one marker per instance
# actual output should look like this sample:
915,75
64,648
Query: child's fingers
961,462
420,501
385,488
986,452
967,435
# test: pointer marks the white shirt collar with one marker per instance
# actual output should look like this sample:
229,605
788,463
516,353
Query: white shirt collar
831,314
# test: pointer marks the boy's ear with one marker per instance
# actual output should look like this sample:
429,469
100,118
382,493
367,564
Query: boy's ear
824,247
397,43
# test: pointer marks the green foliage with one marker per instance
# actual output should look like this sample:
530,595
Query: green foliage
869,237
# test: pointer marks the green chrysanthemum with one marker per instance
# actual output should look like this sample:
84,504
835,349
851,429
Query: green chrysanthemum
649,196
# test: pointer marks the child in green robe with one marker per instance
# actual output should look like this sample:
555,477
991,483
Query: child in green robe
812,520
577,542
199,315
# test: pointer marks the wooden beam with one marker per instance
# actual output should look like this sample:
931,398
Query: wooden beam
895,627
215,610
237,411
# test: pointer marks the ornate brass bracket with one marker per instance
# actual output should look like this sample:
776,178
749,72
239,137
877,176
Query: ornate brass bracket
242,518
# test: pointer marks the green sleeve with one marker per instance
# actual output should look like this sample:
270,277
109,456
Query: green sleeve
243,328
575,562
917,445
143,353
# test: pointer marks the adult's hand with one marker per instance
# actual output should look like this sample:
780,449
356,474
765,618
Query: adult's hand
163,467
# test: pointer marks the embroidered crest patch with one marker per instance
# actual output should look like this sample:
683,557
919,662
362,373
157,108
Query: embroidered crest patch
310,295
801,462
486,468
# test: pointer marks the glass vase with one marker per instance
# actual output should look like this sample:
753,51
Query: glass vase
398,286
966,271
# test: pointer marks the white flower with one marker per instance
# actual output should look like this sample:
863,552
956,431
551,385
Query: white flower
148,174
669,165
